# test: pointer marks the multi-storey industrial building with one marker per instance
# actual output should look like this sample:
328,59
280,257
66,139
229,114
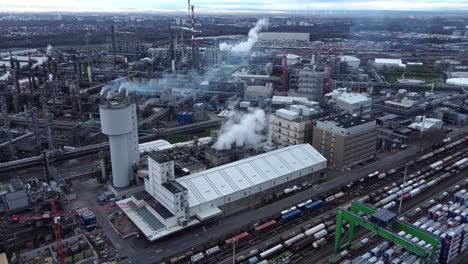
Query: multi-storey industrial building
308,83
293,126
352,103
345,140
179,202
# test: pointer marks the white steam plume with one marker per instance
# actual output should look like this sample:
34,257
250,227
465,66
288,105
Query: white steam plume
246,46
242,130
49,50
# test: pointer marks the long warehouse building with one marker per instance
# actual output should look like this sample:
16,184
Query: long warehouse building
177,203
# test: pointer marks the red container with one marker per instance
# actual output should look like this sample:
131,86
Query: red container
239,238
265,227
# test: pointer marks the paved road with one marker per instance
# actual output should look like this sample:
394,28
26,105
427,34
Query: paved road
189,238
87,191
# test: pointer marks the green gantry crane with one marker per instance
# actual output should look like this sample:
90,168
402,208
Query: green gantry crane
427,256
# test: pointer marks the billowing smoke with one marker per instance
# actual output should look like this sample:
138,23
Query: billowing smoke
136,87
166,81
242,130
246,46
49,50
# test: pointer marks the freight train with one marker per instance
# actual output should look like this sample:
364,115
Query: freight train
316,234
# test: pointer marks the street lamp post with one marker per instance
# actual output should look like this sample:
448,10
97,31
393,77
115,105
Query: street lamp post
234,241
404,182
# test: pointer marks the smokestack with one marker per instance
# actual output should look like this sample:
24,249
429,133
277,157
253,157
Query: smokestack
90,74
112,38
194,60
188,12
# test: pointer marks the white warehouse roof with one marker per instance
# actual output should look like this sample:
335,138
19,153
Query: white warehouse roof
159,144
349,58
353,98
389,61
224,180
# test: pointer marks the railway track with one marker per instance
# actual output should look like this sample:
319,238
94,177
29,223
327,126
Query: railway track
407,206
258,242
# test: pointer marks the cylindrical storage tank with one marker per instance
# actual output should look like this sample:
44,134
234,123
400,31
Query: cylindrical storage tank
119,122
315,229
436,164
460,162
293,240
252,260
389,205
388,199
320,234
319,242
271,251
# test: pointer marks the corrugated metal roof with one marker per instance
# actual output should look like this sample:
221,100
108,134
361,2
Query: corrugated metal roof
223,180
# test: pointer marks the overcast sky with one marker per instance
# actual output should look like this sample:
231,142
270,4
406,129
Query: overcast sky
287,6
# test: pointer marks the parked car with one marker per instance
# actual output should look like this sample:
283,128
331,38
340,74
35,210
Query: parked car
105,197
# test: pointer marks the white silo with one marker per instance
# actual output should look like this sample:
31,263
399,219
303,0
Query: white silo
119,121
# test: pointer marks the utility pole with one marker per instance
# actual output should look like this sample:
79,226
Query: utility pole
404,181
234,251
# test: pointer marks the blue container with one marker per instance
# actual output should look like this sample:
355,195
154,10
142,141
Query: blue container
188,118
180,118
291,215
88,218
313,205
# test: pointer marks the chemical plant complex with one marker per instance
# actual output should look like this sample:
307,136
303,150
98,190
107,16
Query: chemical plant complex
203,138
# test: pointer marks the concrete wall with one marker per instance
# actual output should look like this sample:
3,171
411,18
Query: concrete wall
286,132
345,151
332,127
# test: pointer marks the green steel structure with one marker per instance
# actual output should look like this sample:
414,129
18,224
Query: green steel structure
427,256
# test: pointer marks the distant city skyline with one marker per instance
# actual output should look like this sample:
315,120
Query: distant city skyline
241,6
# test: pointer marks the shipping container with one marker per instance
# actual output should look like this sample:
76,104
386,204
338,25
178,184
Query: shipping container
291,215
265,227
238,238
313,205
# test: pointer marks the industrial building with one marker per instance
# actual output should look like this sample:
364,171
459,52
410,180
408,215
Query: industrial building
119,121
422,123
294,125
284,36
126,128
352,103
307,83
352,63
393,131
345,140
233,187
382,64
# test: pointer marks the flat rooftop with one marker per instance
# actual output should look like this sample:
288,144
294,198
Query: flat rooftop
353,98
161,210
347,120
142,217
159,157
174,187
223,180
